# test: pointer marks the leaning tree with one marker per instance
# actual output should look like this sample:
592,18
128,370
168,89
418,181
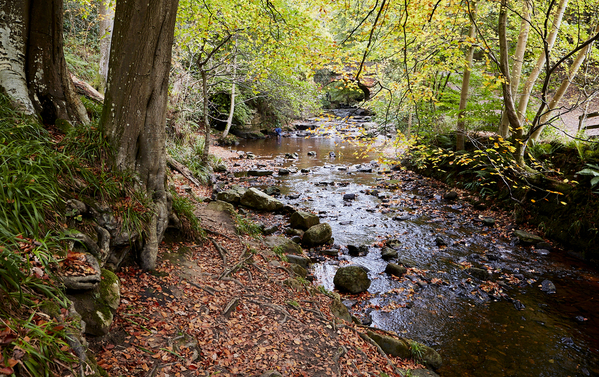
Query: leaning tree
134,113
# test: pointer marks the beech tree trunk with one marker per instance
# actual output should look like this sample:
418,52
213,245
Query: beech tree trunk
206,151
232,109
532,78
106,16
461,126
134,114
504,129
33,71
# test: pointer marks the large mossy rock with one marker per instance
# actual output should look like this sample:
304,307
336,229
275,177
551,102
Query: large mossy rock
230,196
528,238
406,348
352,279
256,199
303,220
98,306
340,311
285,245
317,235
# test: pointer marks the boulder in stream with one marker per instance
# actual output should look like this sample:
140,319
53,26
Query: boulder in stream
388,253
451,195
303,220
395,269
317,235
527,238
256,199
350,196
548,287
357,251
259,172
286,245
407,348
352,279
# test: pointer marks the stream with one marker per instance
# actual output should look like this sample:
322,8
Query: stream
497,325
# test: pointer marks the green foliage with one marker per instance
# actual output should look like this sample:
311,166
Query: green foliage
593,171
184,208
190,154
416,350
278,250
247,226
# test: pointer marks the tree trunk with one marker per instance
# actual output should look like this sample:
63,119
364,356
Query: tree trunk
508,100
504,129
232,109
563,87
33,71
532,78
206,151
106,16
461,127
134,114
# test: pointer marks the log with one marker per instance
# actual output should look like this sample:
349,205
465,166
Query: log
87,90
183,170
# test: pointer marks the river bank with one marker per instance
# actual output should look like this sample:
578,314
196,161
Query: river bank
481,281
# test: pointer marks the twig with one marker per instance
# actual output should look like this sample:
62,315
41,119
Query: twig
222,251
232,305
340,352
276,308
204,288
234,268
216,233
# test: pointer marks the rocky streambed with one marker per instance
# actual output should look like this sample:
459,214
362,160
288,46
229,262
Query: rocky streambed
443,268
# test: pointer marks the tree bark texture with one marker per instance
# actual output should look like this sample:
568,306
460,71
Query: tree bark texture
504,129
106,16
461,125
33,70
134,114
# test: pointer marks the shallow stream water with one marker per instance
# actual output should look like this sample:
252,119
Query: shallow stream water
514,329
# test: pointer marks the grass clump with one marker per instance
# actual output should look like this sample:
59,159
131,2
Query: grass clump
278,250
190,223
247,226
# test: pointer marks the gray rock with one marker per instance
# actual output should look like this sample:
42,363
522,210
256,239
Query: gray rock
229,196
330,252
350,196
527,238
299,260
406,348
312,153
287,246
356,251
388,253
256,199
440,241
352,279
97,308
548,287
298,270
294,232
451,195
340,311
479,273
317,235
293,196
259,173
488,221
305,170
220,206
272,191
283,171
270,230
393,243
544,245
303,220
395,269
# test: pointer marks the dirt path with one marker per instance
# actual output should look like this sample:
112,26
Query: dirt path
229,306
